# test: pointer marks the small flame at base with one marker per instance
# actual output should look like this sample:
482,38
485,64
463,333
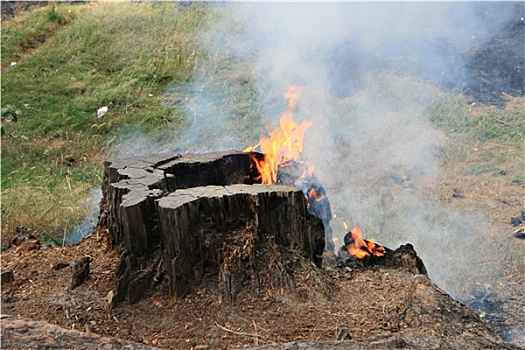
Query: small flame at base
360,248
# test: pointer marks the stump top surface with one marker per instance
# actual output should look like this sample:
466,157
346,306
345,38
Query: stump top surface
162,161
181,196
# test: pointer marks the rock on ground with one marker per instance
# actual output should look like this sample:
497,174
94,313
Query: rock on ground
23,333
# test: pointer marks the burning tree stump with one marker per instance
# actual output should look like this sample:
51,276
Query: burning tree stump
187,217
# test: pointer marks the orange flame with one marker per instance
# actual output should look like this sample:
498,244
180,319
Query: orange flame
360,248
284,144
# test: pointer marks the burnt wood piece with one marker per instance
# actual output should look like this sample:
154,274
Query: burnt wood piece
405,257
294,173
80,272
7,277
140,196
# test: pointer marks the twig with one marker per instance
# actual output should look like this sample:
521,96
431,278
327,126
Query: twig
68,183
269,333
519,230
234,332
325,331
272,334
256,340
502,122
245,334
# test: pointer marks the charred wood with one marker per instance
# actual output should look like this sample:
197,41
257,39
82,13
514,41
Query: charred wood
294,173
403,257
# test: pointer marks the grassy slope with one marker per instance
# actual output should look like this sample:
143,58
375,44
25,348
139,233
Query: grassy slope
72,60
485,155
484,162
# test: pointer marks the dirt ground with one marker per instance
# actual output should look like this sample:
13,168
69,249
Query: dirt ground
385,306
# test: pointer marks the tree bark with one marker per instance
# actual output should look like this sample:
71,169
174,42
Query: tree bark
234,231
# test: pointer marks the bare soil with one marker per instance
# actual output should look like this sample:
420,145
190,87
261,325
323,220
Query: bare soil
388,307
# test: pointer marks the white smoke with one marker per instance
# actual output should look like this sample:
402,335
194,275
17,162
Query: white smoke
367,70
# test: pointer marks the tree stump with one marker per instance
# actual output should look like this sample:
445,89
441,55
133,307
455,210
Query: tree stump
187,217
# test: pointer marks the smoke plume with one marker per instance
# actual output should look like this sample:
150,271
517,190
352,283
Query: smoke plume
370,72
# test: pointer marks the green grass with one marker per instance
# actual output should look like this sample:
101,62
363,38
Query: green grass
71,60
486,141
22,35
452,114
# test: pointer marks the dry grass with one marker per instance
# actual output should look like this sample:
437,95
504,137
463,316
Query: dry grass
42,210
487,171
